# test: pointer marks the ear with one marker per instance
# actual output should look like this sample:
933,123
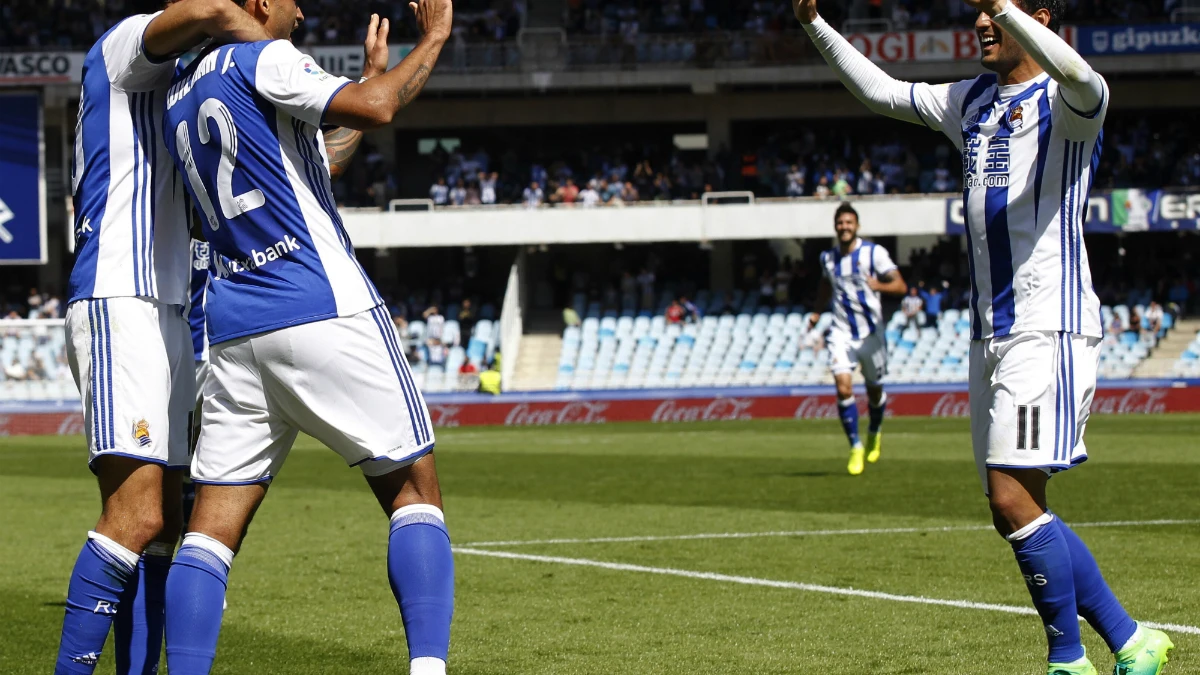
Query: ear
1042,16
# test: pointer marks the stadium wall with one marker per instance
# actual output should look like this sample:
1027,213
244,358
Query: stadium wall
1116,397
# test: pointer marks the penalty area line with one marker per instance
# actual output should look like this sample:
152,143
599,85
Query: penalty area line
790,585
807,533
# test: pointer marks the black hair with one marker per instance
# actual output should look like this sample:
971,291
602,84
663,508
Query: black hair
844,208
1057,9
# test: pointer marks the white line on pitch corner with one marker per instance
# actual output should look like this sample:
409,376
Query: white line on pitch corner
807,533
791,585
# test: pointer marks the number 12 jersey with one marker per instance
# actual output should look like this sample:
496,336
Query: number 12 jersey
243,126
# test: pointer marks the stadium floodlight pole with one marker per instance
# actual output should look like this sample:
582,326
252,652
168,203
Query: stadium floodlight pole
375,102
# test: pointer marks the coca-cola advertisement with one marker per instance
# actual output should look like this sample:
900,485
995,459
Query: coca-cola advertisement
681,405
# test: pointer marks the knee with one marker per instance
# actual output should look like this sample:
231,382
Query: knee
845,391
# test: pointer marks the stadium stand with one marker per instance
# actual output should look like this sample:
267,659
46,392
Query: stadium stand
763,346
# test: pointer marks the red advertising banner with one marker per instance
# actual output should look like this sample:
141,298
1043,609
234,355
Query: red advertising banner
926,45
552,409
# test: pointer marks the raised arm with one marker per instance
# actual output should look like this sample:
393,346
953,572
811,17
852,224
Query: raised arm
1080,86
375,102
879,91
186,23
341,143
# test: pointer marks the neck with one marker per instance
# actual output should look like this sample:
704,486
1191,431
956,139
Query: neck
1024,71
846,247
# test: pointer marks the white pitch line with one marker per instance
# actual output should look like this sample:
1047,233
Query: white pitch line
806,533
792,585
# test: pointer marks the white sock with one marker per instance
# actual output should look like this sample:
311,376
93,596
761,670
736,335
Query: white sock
412,509
116,550
1027,531
221,551
427,665
847,402
1133,639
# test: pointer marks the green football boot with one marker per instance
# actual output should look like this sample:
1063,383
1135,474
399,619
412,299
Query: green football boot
1080,667
1147,656
874,440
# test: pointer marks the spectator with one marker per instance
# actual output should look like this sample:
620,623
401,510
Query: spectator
629,193
841,186
439,192
795,181
569,193
866,178
458,193
51,307
37,369
822,190
932,297
571,317
1179,294
588,197
1153,322
691,311
675,312
15,369
645,280
487,187
435,326
466,317
912,306
766,290
34,302
533,196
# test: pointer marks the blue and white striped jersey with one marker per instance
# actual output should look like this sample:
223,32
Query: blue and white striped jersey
1028,164
857,311
243,126
131,236
201,267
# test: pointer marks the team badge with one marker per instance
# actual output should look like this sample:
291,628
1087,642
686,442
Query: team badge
1016,117
141,432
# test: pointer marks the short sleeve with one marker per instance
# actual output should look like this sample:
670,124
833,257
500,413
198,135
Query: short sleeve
881,260
129,69
940,106
1077,125
294,83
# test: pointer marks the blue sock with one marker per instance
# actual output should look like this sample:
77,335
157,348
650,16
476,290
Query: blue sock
195,604
102,572
138,628
877,415
1045,562
421,570
1096,601
848,412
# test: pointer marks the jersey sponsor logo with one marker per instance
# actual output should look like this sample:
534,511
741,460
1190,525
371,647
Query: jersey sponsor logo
141,432
986,166
280,249
200,256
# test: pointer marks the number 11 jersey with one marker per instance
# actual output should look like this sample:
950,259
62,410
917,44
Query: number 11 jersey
243,125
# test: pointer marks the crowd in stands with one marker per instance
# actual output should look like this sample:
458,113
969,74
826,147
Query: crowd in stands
79,23
628,18
796,160
32,305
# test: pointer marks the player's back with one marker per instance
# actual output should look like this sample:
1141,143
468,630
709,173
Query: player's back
857,309
131,235
243,125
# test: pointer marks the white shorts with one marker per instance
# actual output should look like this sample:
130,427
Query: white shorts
132,361
202,369
342,381
1031,394
870,352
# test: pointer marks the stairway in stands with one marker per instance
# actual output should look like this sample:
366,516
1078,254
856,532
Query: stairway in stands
1164,356
537,362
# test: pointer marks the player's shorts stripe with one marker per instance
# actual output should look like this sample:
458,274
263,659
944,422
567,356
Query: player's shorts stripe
108,373
1078,228
1072,406
411,400
96,389
406,376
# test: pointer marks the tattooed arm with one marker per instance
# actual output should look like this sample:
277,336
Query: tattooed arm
375,102
342,142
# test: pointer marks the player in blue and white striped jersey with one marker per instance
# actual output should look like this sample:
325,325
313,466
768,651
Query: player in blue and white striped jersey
1030,133
299,338
852,276
127,339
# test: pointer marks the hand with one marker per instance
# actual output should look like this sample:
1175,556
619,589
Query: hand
806,10
435,17
989,7
813,320
873,284
375,48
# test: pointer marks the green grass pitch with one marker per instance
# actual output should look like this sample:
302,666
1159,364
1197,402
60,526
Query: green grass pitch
309,591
